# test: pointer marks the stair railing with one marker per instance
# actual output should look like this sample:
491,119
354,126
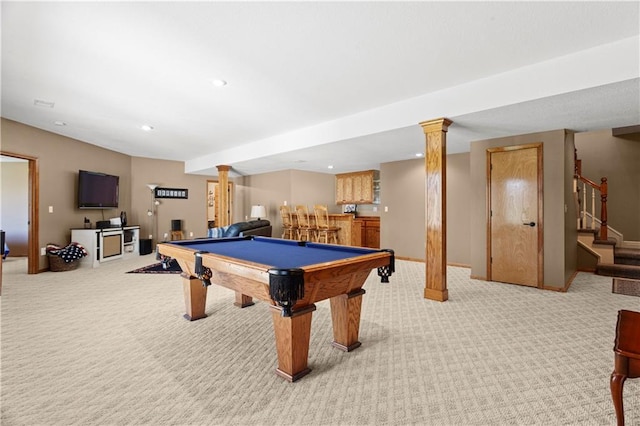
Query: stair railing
589,190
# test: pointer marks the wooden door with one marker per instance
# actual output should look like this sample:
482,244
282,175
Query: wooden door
515,215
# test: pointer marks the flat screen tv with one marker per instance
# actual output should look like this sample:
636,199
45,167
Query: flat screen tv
97,190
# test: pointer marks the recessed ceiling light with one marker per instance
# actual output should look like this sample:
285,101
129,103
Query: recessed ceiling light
330,167
59,123
146,127
419,154
219,82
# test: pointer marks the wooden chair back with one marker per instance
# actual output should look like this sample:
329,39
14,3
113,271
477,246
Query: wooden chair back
322,216
285,214
303,216
326,232
306,230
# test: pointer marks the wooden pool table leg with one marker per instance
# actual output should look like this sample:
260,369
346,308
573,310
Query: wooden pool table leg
242,300
195,297
292,342
345,314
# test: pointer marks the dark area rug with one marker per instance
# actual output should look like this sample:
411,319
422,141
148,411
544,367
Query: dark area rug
627,287
172,267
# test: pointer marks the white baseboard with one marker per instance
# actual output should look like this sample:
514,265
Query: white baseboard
631,244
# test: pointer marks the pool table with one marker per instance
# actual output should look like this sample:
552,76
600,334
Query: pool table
290,276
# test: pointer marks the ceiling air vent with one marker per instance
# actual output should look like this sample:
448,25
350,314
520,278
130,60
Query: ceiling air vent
44,104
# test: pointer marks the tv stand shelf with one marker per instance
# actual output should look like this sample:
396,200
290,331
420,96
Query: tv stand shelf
107,244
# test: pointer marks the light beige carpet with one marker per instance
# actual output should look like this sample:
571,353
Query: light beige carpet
102,347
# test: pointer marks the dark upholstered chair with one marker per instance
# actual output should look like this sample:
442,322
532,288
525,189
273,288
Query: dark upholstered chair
627,357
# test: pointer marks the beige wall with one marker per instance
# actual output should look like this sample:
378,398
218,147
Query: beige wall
617,159
314,188
458,209
291,186
402,225
269,190
167,174
60,158
555,177
402,192
15,206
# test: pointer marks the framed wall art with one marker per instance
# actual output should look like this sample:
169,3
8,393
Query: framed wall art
180,193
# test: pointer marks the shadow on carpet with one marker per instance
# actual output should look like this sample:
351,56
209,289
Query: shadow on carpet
171,267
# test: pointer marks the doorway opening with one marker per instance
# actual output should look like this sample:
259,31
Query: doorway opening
33,218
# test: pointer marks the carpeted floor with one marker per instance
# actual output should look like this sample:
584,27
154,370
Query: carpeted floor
101,347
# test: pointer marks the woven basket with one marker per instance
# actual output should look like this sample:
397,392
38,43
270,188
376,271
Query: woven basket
57,264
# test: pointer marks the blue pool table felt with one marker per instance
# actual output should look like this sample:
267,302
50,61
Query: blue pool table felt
276,253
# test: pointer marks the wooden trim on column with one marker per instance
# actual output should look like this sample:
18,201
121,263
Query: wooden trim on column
436,208
223,193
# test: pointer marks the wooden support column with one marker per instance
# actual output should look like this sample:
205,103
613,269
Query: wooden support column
223,193
436,208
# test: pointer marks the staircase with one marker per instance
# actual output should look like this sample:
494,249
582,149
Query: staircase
625,271
616,259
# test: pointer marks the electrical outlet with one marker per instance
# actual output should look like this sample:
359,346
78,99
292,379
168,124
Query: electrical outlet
43,251
190,234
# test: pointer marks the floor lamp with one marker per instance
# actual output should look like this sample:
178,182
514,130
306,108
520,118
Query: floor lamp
152,210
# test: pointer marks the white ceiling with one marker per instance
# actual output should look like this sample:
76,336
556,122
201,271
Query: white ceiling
315,83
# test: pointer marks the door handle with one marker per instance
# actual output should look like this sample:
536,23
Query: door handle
532,224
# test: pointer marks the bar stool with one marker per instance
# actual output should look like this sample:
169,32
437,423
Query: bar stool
306,231
325,230
289,229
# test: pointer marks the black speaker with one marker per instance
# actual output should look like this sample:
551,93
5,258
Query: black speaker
145,246
102,224
176,225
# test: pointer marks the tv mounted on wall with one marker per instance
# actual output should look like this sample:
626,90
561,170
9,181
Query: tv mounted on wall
97,190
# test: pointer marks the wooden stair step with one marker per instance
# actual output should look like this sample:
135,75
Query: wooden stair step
631,272
627,256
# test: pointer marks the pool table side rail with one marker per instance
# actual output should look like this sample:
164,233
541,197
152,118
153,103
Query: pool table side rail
322,280
210,260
